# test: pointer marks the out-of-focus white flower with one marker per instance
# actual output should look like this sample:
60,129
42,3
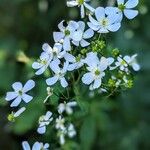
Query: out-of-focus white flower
60,123
80,36
71,131
20,93
103,23
44,121
124,8
36,146
65,34
66,107
81,3
59,74
96,70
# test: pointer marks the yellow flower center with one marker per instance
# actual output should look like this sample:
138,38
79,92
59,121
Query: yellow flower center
80,2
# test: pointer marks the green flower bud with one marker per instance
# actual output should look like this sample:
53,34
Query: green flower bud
129,84
111,83
115,52
11,117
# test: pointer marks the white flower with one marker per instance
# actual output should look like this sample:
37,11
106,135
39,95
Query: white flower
43,122
80,36
14,115
20,93
36,146
103,23
60,123
96,70
131,60
124,8
71,131
66,107
65,34
61,135
59,74
82,4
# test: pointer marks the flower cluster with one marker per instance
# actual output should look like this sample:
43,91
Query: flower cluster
79,54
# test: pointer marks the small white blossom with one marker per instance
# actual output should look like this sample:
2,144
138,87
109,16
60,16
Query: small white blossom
59,74
65,34
66,107
19,93
61,135
96,70
60,123
36,146
124,8
44,121
103,23
71,131
82,4
80,36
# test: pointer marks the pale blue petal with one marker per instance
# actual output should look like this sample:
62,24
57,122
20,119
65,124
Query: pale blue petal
130,14
17,86
63,82
136,67
36,65
111,10
52,80
77,35
81,25
84,43
41,70
10,96
55,67
46,47
76,43
114,27
131,3
94,27
87,78
25,145
100,13
93,21
72,67
16,102
61,26
30,84
70,58
46,145
26,98
89,7
66,44
58,36
120,2
41,130
88,34
97,83
103,30
82,11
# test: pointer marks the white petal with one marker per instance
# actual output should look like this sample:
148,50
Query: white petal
55,67
136,67
30,84
41,130
72,104
77,35
61,108
82,11
63,82
111,10
72,67
131,3
100,13
17,86
87,78
36,65
46,47
73,25
66,44
103,30
93,21
19,112
58,36
97,83
114,27
93,27
61,26
70,58
81,25
88,34
52,81
130,14
37,146
46,146
27,98
10,96
72,3
48,115
84,43
41,70
76,43
16,102
120,2
25,145
110,60
89,7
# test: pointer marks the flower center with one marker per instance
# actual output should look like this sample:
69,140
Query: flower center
20,92
123,62
80,2
104,22
67,32
122,7
44,62
97,72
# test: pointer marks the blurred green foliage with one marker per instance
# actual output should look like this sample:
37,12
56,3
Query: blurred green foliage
122,123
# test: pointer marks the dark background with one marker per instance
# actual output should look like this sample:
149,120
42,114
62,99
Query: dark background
24,26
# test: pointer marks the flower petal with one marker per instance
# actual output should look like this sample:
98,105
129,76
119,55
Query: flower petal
66,44
97,83
41,130
63,82
131,3
130,14
16,102
120,2
10,96
100,13
88,34
58,36
26,98
26,145
84,43
114,27
52,80
17,86
87,78
30,84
